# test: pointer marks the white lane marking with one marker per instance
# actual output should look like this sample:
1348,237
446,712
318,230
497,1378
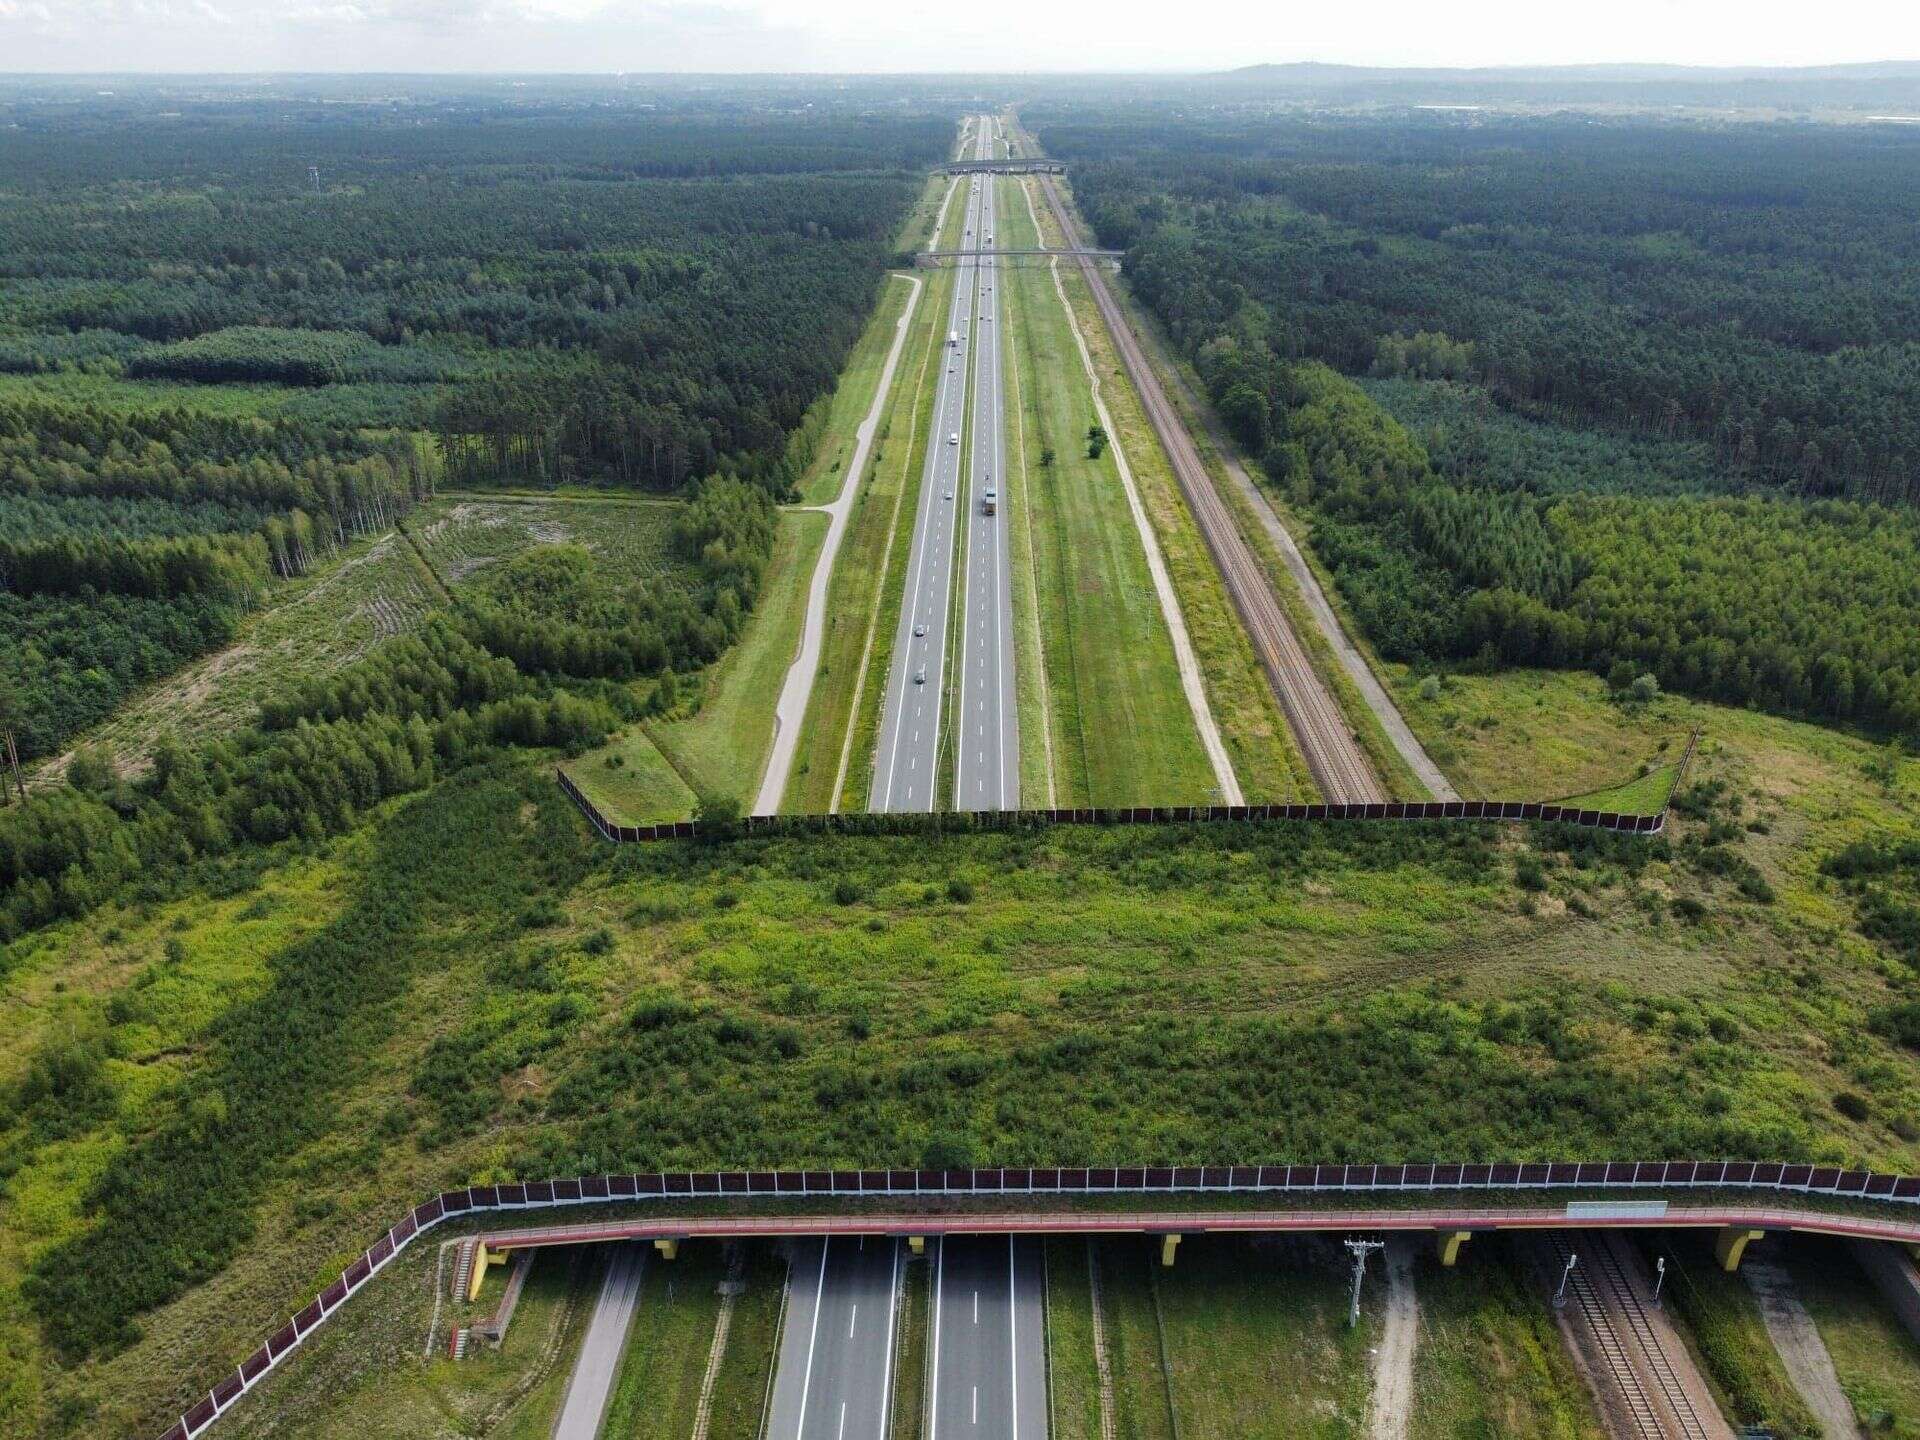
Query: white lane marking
893,1304
976,1404
976,1307
939,1285
843,1420
806,1382
920,549
1013,1343
854,1318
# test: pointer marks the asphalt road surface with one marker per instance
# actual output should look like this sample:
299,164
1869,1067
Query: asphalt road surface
989,1374
835,1375
913,720
986,725
593,1372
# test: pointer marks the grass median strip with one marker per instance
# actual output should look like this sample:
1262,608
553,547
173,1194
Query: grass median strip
1122,730
1265,760
1490,1359
657,1391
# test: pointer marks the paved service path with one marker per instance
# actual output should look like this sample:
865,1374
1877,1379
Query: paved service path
835,1375
798,689
594,1371
989,1368
1392,1398
1802,1351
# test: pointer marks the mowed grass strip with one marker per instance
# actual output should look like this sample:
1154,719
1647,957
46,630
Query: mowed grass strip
1876,1359
860,564
753,1336
910,1349
722,748
853,396
1140,1397
656,1393
1032,688
1490,1359
1265,759
1257,1338
1073,1372
1182,388
1123,733
863,600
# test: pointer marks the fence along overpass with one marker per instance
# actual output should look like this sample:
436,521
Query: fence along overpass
1005,167
1735,1197
936,257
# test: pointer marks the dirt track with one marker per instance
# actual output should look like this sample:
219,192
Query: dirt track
1339,767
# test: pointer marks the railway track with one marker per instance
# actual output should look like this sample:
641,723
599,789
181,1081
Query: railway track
1617,1320
1338,765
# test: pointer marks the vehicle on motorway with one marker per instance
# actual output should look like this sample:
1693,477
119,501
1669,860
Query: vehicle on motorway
954,438
989,505
920,676
949,494
953,339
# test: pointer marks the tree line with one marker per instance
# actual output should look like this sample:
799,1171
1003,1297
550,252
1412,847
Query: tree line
1576,540
1757,288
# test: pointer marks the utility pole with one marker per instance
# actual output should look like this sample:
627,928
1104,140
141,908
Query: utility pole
1359,1249
1659,1278
1560,1295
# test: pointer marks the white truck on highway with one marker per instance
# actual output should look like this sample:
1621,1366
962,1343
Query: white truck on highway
990,502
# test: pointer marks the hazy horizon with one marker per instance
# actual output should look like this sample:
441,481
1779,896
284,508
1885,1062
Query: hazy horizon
864,37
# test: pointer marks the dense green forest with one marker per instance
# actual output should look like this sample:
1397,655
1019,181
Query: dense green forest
546,292
1624,395
1755,286
473,292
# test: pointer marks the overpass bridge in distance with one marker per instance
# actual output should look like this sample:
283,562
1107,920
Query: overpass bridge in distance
1005,167
943,257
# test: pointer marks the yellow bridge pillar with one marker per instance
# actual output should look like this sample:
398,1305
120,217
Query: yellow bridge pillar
1168,1244
482,1258
1729,1245
917,1244
669,1248
1448,1242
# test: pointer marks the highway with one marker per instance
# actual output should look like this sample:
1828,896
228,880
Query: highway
988,1375
986,728
835,1375
593,1373
907,758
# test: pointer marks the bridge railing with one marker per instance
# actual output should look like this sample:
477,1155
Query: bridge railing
1769,1177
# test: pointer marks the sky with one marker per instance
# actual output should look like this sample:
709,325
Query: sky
605,36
